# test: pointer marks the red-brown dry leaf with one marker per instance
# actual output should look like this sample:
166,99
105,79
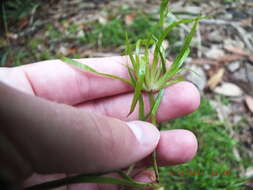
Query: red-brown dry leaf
216,78
129,18
249,102
235,50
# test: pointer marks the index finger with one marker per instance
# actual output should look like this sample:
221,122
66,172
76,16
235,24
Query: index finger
60,82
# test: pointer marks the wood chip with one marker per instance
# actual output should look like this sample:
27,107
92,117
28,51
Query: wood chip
249,102
216,79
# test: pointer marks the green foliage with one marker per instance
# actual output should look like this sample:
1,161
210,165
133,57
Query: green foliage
17,9
229,1
215,166
112,33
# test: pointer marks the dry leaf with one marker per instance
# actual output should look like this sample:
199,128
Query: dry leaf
129,19
249,102
228,89
235,50
216,79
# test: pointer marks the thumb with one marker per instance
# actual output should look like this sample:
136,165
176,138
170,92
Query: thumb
54,138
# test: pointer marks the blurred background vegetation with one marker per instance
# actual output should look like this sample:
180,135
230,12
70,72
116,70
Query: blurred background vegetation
32,31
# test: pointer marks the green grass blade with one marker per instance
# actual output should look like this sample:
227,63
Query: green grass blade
125,176
131,75
163,11
78,64
174,81
156,104
178,62
184,52
89,69
89,179
147,75
185,49
137,54
163,36
139,84
130,54
141,109
174,69
163,61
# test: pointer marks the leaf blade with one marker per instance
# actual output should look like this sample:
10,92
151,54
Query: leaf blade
90,69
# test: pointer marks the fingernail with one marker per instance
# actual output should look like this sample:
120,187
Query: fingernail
146,133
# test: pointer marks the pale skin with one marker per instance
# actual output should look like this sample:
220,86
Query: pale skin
60,120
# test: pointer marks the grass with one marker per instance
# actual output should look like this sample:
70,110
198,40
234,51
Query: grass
215,166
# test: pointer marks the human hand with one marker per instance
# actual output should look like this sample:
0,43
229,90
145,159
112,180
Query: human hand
80,123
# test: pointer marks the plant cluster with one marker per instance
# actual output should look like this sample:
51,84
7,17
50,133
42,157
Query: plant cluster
148,76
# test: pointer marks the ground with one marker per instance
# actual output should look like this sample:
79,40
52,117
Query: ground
222,57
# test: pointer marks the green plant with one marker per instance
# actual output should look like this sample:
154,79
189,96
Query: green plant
144,76
215,166
17,9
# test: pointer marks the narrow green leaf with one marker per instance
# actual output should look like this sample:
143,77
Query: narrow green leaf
173,70
178,62
147,60
130,54
89,69
141,109
183,54
156,104
125,176
165,33
163,61
137,54
131,75
89,179
139,84
185,49
163,11
174,81
78,64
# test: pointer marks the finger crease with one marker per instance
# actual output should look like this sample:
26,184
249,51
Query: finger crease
30,83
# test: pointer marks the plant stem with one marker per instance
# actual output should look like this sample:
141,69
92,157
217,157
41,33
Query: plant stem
154,122
91,179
